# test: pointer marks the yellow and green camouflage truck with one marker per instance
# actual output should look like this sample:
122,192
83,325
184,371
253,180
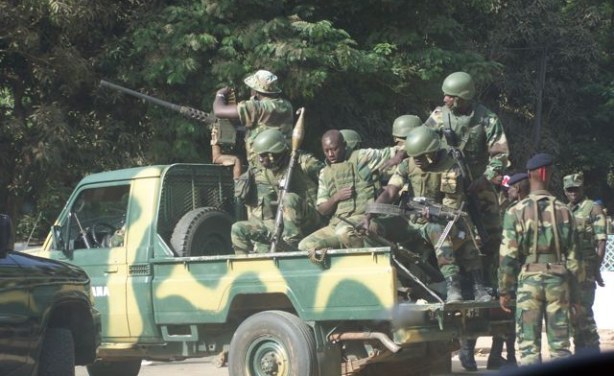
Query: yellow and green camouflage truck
155,242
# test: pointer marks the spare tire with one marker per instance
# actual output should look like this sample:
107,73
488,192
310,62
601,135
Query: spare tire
203,232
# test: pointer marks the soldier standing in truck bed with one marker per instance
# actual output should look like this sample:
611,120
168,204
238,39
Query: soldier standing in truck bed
538,259
265,109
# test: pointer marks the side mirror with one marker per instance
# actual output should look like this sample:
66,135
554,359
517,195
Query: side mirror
6,235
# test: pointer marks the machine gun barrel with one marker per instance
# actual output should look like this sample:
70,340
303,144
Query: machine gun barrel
184,110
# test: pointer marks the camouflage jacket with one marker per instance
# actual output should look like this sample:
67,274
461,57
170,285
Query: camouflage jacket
304,182
590,225
359,171
530,234
481,137
259,115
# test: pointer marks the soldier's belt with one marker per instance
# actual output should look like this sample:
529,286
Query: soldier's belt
546,267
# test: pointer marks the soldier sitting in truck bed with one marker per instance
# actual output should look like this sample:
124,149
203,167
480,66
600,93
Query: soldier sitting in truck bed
299,214
432,174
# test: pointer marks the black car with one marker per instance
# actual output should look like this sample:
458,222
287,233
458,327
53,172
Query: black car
47,321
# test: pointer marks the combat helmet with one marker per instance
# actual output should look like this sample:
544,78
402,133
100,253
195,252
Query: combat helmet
421,140
351,137
270,141
459,84
403,124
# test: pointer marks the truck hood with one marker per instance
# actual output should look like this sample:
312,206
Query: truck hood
39,267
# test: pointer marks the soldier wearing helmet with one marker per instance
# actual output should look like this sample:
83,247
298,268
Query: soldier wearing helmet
265,109
481,138
300,214
432,174
400,128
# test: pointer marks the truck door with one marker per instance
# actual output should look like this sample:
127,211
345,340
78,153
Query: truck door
91,236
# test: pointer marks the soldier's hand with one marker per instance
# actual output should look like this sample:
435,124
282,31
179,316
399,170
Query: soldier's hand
365,222
504,302
344,193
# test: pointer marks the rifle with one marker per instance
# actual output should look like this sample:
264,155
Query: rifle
297,139
472,200
226,133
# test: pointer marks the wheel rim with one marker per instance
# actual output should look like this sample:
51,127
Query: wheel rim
267,357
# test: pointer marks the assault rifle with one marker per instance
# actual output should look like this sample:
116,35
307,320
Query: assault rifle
472,200
298,134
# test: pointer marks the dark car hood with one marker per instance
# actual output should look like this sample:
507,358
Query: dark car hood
35,266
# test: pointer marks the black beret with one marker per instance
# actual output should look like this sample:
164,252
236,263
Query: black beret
539,160
517,177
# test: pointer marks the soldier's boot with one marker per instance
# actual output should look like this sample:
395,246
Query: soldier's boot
454,291
511,351
495,360
480,294
466,354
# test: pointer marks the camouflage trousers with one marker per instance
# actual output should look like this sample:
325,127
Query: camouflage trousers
542,296
455,253
585,334
335,235
253,235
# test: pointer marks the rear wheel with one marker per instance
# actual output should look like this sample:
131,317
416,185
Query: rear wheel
273,343
129,367
58,353
203,231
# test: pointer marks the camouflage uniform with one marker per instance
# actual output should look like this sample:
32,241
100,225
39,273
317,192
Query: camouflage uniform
358,171
484,144
537,259
441,183
591,227
258,115
300,214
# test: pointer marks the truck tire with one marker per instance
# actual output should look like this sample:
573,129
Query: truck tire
58,353
203,232
129,367
273,343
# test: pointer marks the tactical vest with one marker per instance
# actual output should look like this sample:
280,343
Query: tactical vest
346,174
544,253
471,132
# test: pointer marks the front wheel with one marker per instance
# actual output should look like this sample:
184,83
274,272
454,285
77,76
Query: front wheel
129,367
58,353
272,343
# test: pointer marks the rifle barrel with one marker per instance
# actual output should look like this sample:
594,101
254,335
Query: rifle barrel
160,102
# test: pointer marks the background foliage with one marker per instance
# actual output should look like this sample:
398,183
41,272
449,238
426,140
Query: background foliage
544,66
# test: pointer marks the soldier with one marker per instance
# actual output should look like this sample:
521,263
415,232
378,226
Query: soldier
265,109
480,136
517,190
538,259
299,210
346,185
433,174
590,225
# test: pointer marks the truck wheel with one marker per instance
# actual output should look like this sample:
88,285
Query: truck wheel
203,231
129,367
272,343
58,353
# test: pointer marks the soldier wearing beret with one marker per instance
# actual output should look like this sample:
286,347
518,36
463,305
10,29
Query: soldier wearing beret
591,229
538,260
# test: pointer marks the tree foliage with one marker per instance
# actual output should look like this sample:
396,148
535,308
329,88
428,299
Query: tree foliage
352,64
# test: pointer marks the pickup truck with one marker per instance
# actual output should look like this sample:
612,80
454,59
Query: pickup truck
155,242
